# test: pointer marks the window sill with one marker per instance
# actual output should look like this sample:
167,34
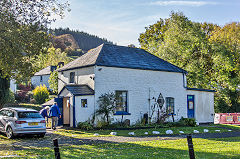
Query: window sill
171,114
122,113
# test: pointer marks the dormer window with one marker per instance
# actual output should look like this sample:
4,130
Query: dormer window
72,77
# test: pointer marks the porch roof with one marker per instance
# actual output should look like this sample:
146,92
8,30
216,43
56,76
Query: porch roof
78,90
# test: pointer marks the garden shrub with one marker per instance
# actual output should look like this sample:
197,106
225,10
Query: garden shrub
40,94
22,94
102,124
187,122
84,126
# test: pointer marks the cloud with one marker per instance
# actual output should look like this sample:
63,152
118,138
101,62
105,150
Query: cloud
183,3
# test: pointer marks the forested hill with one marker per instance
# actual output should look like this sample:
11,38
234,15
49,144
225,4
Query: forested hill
84,40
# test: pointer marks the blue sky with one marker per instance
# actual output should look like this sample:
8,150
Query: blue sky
121,21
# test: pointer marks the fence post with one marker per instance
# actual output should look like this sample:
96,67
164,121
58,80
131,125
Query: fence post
56,149
190,146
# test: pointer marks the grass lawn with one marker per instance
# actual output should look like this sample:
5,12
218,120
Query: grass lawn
138,132
169,149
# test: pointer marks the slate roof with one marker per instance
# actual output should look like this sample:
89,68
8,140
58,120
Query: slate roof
45,71
78,89
123,57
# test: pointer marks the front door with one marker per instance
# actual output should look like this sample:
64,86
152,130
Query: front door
190,106
60,105
66,111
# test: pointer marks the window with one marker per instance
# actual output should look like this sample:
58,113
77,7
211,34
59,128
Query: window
29,115
3,113
40,78
72,77
121,101
9,113
170,105
84,103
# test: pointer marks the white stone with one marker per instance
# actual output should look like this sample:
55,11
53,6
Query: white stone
205,130
146,133
96,134
217,130
229,130
195,131
113,133
131,133
181,132
155,132
74,135
169,132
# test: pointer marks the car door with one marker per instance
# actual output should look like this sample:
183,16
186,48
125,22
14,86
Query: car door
2,119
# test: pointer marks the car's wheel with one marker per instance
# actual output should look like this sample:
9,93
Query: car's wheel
41,135
9,132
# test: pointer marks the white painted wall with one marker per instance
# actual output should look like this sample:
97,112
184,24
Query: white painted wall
82,76
35,80
84,114
204,105
138,83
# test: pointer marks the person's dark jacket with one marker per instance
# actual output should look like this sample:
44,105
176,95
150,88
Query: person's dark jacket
44,113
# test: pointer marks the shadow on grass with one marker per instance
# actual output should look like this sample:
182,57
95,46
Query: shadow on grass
70,147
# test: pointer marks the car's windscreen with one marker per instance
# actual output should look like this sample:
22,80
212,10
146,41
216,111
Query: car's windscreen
29,115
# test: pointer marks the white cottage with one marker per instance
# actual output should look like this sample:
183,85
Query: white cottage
138,77
41,77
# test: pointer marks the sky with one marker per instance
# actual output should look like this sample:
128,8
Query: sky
122,21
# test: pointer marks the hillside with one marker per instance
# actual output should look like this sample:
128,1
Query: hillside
84,41
65,42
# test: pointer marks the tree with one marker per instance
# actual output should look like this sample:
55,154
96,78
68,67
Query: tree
23,32
4,88
23,35
208,52
106,103
53,81
51,58
226,45
183,43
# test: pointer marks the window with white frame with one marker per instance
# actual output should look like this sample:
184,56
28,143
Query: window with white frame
121,101
170,105
84,103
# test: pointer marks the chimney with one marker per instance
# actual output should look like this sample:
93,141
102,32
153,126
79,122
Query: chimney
53,68
60,64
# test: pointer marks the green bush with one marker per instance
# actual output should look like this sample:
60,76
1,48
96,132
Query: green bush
84,126
40,94
187,122
102,124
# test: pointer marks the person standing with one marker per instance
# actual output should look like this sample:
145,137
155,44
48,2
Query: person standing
44,112
54,113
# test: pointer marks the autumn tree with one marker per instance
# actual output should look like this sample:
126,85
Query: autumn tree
23,25
208,52
183,43
226,45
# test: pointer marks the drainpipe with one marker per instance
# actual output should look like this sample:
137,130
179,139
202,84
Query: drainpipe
149,105
74,117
